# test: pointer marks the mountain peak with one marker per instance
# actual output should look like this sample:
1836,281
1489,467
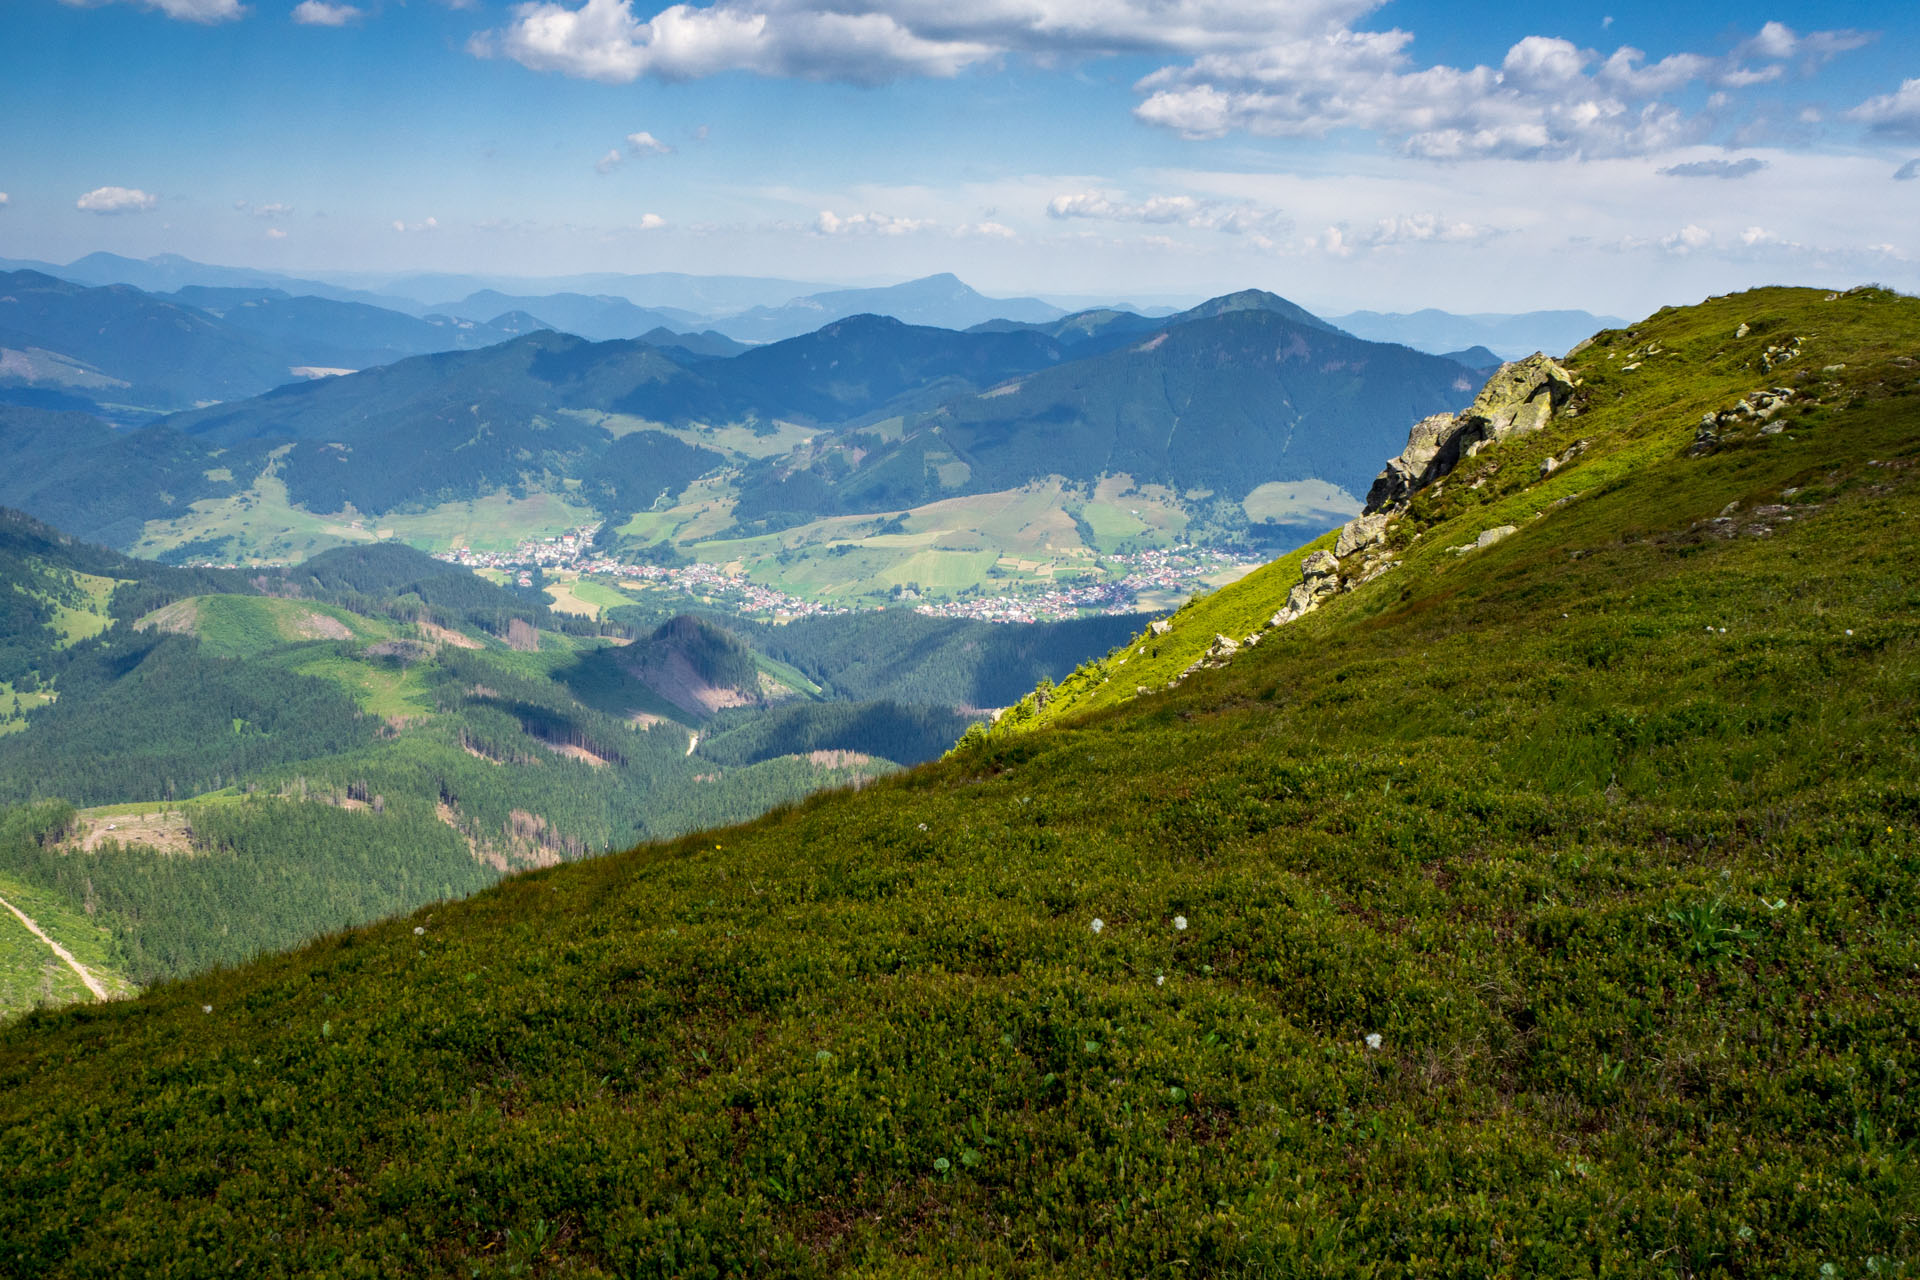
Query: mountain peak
1251,300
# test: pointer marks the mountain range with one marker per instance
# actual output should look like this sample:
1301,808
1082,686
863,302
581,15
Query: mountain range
1199,412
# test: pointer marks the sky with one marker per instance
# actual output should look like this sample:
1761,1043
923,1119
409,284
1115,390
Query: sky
1462,154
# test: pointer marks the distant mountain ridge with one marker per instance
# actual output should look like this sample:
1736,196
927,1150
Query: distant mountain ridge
1510,336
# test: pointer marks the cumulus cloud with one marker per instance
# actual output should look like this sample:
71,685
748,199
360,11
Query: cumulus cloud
1400,230
651,222
116,200
1714,168
318,13
869,42
829,223
1547,98
1207,215
638,144
208,11
3,199
1896,113
1905,173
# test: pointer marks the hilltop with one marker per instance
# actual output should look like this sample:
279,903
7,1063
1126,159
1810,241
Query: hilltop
1542,904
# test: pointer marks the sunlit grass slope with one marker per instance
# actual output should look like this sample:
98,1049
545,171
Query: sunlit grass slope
1533,925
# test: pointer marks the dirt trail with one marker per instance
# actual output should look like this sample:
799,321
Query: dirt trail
93,983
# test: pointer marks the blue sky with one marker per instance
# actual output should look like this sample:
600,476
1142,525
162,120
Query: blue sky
1471,156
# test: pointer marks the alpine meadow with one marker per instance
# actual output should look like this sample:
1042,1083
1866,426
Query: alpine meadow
846,638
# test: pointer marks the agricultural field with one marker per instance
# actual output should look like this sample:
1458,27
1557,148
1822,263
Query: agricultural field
260,524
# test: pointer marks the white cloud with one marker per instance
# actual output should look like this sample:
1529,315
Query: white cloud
1688,239
430,224
318,13
651,222
645,144
988,230
1206,215
874,41
1547,98
829,223
3,199
116,200
275,233
1896,113
208,11
1399,230
275,209
1714,168
608,162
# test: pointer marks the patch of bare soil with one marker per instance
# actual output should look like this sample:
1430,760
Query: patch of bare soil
182,617
574,752
320,626
166,830
447,635
674,678
839,759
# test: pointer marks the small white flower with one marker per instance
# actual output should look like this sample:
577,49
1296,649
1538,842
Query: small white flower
1849,630
923,826
206,1008
1098,924
418,930
1373,1040
1723,631
1179,922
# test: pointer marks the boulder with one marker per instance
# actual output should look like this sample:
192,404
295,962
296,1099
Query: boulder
1490,536
1160,626
1520,397
1360,533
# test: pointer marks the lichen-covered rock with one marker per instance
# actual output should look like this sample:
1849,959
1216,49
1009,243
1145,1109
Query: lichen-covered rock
1490,536
1521,397
1360,533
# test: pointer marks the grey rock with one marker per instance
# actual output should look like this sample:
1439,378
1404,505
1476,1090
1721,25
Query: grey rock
1521,397
1490,536
1321,564
1160,626
1360,533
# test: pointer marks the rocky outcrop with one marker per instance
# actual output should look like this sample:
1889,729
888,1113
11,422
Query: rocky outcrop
1755,409
1522,397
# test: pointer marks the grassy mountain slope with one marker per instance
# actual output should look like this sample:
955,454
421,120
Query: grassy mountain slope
1496,918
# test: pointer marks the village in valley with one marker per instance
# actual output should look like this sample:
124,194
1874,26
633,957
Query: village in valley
1123,583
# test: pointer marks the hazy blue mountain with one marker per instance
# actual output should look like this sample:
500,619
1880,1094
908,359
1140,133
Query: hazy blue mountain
1240,395
1509,336
115,345
329,333
1479,359
941,301
166,272
598,319
707,344
698,295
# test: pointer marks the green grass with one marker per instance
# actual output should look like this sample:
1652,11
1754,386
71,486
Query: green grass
31,975
1631,909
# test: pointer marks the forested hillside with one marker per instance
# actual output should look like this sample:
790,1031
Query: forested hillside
202,765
